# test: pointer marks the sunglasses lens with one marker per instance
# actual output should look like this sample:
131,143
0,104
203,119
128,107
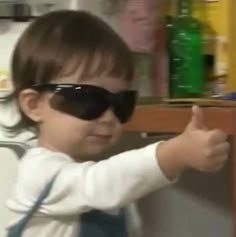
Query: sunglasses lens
90,102
84,104
124,106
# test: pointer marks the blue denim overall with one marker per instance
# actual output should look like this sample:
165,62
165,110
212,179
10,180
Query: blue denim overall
92,224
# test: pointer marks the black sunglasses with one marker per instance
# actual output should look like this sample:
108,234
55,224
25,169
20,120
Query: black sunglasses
89,102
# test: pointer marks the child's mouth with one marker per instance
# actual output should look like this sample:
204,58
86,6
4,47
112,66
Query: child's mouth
101,137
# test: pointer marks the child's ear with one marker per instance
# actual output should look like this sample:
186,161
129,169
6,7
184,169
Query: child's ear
30,104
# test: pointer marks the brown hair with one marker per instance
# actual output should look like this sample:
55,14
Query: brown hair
57,40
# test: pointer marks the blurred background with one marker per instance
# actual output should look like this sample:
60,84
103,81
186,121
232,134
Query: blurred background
182,49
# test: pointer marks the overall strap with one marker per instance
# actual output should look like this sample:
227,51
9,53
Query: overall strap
17,229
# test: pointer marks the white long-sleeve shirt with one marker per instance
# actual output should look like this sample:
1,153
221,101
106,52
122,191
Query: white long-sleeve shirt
80,187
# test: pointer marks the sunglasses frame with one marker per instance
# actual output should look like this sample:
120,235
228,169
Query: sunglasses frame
112,99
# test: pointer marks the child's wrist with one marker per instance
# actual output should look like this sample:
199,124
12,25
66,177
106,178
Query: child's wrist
171,158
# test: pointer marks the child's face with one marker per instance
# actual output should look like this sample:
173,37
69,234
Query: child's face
66,133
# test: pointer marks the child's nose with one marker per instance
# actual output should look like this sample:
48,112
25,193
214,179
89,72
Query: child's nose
108,116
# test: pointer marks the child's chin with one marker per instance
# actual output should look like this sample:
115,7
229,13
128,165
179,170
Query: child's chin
98,153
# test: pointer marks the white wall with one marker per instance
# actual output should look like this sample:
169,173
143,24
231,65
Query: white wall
9,32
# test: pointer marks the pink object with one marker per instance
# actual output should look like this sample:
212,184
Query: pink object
143,27
139,23
160,83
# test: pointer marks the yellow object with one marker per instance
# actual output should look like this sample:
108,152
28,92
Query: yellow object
214,16
4,80
231,82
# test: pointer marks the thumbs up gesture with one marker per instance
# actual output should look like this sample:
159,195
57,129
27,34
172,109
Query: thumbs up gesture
197,120
197,148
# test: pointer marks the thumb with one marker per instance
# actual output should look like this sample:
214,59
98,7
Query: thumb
197,120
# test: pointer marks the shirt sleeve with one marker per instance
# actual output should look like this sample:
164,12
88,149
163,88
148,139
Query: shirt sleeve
107,184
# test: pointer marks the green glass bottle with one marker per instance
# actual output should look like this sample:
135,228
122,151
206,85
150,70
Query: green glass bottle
186,53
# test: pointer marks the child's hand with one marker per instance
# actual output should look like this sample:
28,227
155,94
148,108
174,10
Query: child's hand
197,148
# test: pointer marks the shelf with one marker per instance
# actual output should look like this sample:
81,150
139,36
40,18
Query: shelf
166,119
186,102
